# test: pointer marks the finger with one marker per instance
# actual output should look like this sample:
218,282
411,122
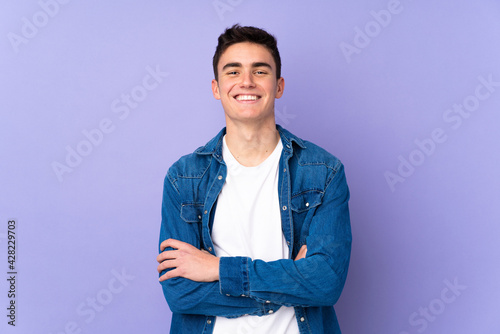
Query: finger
166,265
302,253
168,275
304,250
167,255
174,243
164,244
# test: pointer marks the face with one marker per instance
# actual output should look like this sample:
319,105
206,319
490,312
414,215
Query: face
247,84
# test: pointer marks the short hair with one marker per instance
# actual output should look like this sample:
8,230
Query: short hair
238,34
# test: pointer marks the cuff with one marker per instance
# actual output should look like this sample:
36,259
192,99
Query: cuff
233,276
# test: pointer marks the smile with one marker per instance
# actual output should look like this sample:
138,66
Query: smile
247,97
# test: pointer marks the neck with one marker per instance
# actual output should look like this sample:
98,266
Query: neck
251,144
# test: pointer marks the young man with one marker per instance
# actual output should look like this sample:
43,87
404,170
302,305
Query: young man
255,234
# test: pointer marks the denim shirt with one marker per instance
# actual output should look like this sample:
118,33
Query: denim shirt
313,196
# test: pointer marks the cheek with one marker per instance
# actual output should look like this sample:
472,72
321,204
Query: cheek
224,92
271,89
226,86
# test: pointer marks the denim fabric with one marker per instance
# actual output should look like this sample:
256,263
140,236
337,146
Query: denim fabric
313,196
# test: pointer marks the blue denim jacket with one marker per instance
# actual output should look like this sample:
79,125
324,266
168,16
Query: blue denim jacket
313,197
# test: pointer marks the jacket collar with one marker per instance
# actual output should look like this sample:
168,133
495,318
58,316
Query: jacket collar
288,139
214,146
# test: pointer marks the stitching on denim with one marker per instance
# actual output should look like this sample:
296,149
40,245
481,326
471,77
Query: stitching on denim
173,182
190,204
308,190
246,278
199,176
311,206
330,179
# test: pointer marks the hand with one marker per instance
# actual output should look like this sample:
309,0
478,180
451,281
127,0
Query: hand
302,253
188,261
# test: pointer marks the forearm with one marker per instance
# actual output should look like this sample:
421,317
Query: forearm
190,280
189,297
312,281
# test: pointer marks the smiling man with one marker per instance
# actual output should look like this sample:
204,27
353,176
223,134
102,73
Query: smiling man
255,234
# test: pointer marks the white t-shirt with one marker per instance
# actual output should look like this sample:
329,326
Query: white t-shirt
248,223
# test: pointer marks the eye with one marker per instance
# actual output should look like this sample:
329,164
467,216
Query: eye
232,73
260,72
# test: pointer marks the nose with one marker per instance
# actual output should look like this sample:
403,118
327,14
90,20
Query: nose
247,79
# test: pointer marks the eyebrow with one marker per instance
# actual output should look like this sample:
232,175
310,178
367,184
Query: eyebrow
257,64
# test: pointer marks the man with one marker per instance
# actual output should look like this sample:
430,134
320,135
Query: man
255,234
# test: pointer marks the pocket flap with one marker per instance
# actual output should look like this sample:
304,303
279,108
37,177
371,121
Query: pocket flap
192,212
306,200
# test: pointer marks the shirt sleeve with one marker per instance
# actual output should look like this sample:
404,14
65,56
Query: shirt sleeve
316,280
190,297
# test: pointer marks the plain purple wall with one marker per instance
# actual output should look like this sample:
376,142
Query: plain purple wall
406,93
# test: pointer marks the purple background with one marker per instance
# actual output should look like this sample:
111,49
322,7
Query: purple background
76,233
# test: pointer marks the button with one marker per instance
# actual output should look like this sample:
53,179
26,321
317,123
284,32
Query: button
219,177
284,207
284,170
307,204
209,249
287,145
199,216
288,243
267,301
209,321
227,294
270,312
302,319
243,295
205,212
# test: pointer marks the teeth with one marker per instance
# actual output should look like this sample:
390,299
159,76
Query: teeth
246,97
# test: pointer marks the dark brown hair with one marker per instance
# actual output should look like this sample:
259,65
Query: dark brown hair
238,34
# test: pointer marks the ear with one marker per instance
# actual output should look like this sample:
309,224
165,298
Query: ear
280,87
215,89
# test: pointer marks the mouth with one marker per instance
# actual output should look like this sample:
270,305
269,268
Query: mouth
247,97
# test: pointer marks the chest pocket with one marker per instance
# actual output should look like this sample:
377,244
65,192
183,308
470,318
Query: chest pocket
306,200
192,213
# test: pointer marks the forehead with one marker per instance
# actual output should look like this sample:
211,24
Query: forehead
246,53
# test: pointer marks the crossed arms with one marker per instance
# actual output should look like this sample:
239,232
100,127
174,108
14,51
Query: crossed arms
197,282
189,262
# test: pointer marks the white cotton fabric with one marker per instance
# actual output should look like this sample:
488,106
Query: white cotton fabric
248,223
